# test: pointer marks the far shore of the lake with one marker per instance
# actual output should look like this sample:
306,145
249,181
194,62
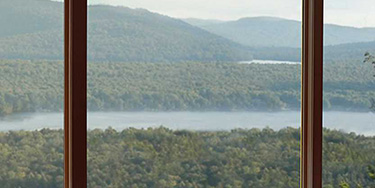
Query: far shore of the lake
357,122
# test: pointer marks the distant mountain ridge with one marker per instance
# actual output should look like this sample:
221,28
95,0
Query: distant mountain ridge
201,22
115,34
279,32
33,29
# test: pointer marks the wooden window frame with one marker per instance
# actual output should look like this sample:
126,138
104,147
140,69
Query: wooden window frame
312,94
75,110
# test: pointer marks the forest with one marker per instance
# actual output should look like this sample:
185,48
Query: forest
162,157
37,86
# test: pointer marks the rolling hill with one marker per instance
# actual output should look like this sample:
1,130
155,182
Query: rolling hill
32,29
278,32
29,16
349,51
115,34
124,34
201,22
354,51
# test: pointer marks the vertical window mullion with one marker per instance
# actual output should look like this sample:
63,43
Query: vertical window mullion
312,94
75,94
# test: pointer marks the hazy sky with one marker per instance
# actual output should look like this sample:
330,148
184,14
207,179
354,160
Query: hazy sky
360,13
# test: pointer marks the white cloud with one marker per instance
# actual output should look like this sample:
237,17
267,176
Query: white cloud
344,12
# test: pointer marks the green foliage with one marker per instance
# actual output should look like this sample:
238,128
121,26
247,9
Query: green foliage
371,172
371,59
31,159
29,86
344,185
162,157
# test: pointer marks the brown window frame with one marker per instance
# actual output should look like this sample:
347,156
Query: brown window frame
75,110
312,94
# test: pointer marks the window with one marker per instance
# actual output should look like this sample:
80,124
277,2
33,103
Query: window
195,77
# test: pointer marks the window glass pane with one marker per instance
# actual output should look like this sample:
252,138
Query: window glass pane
349,93
192,93
31,93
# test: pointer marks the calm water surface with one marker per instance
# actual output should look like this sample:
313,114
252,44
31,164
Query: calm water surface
362,123
269,62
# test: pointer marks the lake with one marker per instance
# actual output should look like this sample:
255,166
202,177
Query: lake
361,123
269,62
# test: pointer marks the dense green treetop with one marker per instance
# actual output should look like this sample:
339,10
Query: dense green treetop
165,158
29,86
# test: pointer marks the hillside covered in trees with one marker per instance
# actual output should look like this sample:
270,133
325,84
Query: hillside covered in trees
33,30
165,158
29,86
114,34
